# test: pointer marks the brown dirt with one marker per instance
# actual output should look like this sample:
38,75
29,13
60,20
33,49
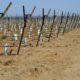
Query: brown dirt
55,60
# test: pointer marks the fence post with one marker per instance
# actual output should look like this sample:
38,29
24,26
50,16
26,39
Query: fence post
60,23
25,19
43,18
67,18
71,20
2,14
52,27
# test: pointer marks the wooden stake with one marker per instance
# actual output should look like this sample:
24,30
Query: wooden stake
49,12
60,23
33,11
25,19
43,18
52,27
66,22
2,14
71,21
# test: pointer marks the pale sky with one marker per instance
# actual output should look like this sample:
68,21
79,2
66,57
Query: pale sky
58,5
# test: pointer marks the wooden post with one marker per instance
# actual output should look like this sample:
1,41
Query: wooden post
2,14
76,21
49,12
60,23
48,15
30,18
79,21
32,11
52,26
25,19
71,21
66,23
43,18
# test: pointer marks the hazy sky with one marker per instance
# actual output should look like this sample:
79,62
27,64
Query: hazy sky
58,5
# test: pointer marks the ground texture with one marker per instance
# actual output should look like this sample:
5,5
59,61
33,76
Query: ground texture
58,59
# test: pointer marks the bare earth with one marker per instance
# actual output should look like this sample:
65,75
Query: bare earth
55,60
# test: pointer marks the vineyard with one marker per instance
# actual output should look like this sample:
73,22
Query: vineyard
39,48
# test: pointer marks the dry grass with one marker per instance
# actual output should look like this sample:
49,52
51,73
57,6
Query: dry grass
55,60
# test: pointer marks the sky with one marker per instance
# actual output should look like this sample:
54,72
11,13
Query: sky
58,5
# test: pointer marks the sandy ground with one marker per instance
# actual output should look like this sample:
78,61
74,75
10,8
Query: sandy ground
55,60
